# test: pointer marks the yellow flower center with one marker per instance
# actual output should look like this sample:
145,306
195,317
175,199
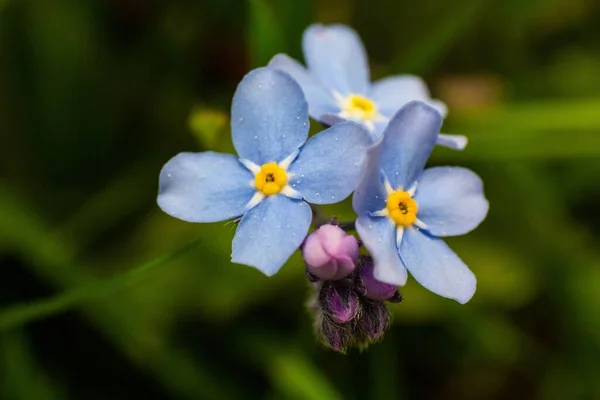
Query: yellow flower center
402,209
270,179
360,107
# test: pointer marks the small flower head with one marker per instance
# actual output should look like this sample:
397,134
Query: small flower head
373,322
403,210
336,83
335,336
330,253
339,302
277,171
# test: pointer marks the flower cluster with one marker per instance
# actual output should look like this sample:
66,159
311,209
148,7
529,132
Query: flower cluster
377,143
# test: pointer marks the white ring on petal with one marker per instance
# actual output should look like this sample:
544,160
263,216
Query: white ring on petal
413,189
388,187
285,164
420,224
399,235
290,192
255,200
254,168
381,213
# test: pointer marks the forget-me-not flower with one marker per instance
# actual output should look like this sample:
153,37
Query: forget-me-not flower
337,85
274,176
403,210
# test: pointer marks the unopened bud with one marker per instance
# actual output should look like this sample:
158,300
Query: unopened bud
335,336
371,287
339,302
373,321
330,253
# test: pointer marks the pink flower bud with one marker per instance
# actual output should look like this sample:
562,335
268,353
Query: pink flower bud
373,289
330,253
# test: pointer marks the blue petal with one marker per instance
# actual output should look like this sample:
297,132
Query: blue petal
329,166
331,119
269,116
456,142
435,266
269,233
336,56
450,200
378,131
319,100
378,235
407,142
439,105
370,195
391,93
204,187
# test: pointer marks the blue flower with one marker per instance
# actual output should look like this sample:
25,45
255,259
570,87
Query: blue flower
403,210
336,83
274,172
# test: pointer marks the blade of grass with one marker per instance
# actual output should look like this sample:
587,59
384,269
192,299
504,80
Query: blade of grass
24,313
51,258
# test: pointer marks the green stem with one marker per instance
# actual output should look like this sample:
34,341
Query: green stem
22,314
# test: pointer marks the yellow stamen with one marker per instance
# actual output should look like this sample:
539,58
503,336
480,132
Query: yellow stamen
270,179
402,209
360,107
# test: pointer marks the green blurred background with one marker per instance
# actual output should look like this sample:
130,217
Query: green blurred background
95,96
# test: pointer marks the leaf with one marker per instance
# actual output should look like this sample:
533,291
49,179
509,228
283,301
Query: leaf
265,37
